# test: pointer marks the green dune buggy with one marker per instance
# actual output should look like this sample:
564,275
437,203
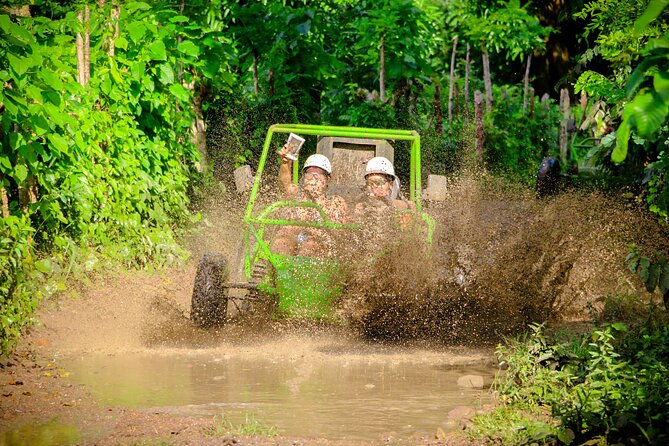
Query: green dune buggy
297,286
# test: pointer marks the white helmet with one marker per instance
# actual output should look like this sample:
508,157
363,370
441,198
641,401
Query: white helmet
318,160
380,164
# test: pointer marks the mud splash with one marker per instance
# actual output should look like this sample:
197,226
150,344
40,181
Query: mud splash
501,260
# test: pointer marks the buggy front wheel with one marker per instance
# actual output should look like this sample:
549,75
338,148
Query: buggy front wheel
210,300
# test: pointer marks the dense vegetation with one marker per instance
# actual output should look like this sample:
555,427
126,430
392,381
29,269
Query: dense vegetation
604,387
103,104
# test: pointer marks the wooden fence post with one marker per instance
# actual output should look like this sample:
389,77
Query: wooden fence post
480,135
564,135
452,81
546,106
467,62
531,99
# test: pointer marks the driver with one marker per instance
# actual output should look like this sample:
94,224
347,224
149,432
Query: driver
310,242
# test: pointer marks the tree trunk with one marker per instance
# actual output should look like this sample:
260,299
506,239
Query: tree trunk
114,14
87,45
199,134
452,80
21,11
5,198
584,106
81,57
28,195
382,72
438,114
531,102
467,63
254,68
456,97
179,40
487,81
480,134
526,81
564,135
546,106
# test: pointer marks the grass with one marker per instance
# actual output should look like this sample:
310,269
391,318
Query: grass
249,427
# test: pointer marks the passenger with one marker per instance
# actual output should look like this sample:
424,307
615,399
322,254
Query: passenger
304,241
382,194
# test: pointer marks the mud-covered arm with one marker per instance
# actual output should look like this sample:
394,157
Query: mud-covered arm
285,174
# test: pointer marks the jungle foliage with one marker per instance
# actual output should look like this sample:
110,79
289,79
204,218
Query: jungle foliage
100,163
602,387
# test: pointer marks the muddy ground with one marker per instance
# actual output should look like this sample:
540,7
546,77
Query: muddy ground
503,260
132,312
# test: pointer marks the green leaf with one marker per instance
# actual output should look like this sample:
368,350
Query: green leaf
654,9
622,140
18,34
51,78
179,18
40,124
157,50
44,265
661,84
653,276
122,43
34,93
20,173
663,281
137,70
58,142
54,113
647,111
180,92
19,64
211,67
136,31
166,74
189,48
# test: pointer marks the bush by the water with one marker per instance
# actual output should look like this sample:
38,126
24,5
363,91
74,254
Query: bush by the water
609,384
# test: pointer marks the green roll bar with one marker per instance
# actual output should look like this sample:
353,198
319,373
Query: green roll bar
351,132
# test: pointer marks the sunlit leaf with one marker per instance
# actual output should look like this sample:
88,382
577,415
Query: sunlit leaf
40,124
654,9
20,173
157,50
622,140
661,84
44,265
189,48
58,142
180,92
51,78
166,74
135,30
647,112
19,64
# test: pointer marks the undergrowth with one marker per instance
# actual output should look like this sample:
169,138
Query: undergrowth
604,387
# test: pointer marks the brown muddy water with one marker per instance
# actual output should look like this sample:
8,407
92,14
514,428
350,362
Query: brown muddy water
334,395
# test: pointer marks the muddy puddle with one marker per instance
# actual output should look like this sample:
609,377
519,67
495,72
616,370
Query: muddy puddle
364,397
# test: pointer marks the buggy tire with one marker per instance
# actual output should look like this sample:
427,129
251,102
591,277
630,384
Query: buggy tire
210,299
